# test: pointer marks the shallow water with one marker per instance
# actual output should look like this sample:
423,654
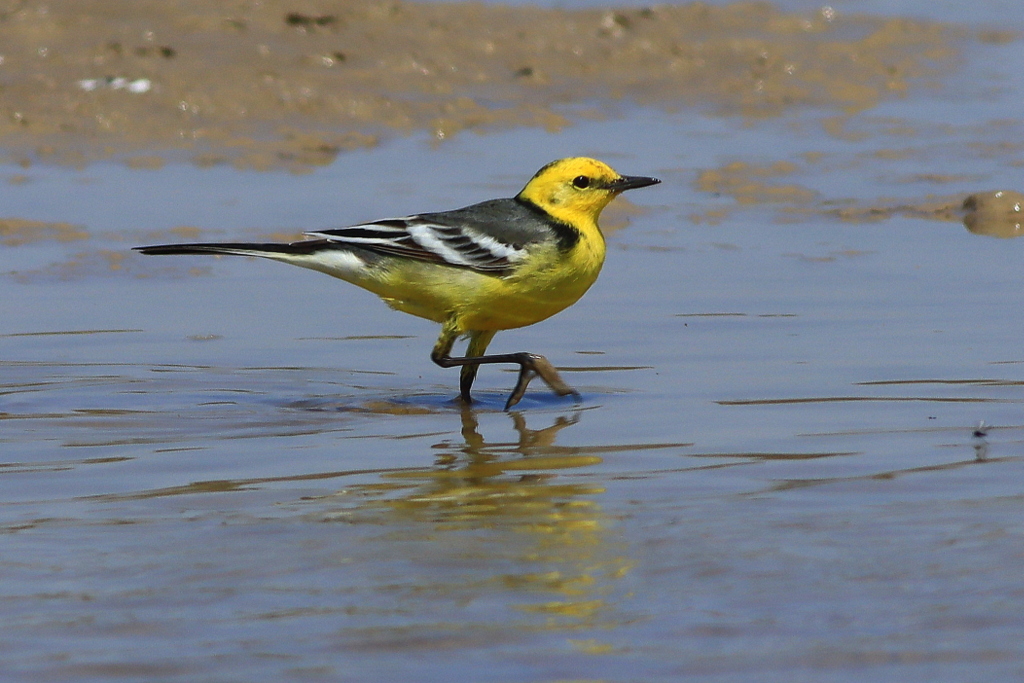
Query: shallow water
798,454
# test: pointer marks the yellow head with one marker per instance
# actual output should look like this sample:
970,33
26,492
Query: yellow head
576,189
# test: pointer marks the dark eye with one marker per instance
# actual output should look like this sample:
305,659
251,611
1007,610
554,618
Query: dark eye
581,182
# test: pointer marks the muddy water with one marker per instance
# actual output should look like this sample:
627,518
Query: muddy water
798,454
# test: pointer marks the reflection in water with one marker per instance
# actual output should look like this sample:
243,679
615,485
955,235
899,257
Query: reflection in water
979,444
994,213
491,525
498,511
980,456
980,436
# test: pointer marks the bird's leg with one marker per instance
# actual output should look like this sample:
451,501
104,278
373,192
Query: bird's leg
478,342
530,365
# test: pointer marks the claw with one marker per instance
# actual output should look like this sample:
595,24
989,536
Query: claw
526,374
531,365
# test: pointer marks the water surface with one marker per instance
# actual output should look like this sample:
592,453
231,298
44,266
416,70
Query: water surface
798,454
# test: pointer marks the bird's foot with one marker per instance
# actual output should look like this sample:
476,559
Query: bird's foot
532,365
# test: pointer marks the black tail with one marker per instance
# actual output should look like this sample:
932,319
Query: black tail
236,248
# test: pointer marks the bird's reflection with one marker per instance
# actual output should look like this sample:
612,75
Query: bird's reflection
510,516
502,516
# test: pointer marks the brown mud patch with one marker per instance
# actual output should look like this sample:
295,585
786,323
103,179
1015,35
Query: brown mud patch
293,83
752,184
17,231
994,213
998,213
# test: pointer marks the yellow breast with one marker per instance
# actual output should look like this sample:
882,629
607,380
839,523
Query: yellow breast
548,282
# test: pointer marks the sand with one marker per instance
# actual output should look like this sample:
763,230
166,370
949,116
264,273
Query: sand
294,83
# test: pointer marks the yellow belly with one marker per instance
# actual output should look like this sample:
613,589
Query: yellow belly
550,283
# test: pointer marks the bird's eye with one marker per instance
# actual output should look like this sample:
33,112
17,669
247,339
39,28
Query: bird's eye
581,182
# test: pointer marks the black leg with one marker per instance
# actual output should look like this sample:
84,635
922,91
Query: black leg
530,365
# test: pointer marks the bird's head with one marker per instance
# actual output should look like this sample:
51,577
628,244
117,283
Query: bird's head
578,188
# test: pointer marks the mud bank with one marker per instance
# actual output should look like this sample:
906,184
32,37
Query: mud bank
293,83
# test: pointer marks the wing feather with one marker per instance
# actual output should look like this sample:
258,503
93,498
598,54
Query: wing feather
490,237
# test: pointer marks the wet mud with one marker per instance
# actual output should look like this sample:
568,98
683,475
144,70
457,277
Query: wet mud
993,213
799,450
293,84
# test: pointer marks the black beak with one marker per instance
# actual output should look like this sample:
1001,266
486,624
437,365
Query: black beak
631,182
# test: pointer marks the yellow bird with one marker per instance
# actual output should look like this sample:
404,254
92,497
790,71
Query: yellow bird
496,265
